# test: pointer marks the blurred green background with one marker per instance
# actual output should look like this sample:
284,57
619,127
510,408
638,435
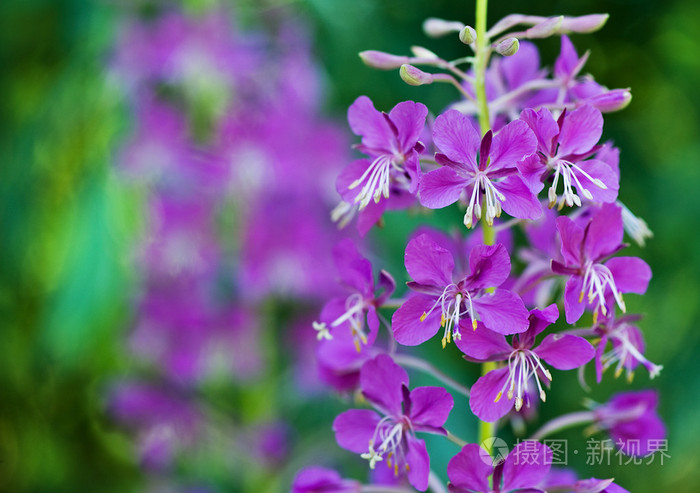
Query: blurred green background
66,224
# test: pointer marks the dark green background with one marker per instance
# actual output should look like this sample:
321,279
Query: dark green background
66,224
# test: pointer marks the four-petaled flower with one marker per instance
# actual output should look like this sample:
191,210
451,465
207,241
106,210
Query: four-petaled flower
390,436
442,298
563,148
562,351
391,141
584,248
495,175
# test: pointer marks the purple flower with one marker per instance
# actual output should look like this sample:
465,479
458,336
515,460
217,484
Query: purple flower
562,351
632,421
523,469
391,435
350,312
391,141
627,347
563,147
442,298
584,248
317,479
495,175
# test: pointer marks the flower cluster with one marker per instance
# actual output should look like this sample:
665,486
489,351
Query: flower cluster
520,140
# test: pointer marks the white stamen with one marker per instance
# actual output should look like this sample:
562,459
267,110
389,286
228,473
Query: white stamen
569,174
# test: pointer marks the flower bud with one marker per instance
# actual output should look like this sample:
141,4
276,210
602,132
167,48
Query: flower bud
435,28
545,28
614,100
414,76
467,35
508,47
381,60
421,52
584,23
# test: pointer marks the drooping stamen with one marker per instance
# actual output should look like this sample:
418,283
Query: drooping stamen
376,179
343,213
568,172
635,226
623,351
523,364
492,201
354,315
388,433
454,304
596,280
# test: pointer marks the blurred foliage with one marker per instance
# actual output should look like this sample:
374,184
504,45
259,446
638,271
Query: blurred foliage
65,288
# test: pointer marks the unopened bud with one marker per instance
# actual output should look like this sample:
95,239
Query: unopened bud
467,35
421,52
584,23
610,101
381,60
545,28
508,47
436,28
414,76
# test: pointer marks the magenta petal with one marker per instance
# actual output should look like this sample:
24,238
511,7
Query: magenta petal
631,274
418,462
532,172
430,406
520,202
512,144
455,136
572,293
370,215
381,380
468,471
489,266
580,131
521,67
571,239
441,187
602,171
526,466
482,344
604,235
565,351
427,262
409,118
354,429
354,269
484,393
369,123
502,312
567,60
406,324
544,126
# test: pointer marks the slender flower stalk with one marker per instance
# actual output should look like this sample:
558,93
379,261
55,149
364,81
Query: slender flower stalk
563,422
416,363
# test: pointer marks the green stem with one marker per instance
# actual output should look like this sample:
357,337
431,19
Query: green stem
481,59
